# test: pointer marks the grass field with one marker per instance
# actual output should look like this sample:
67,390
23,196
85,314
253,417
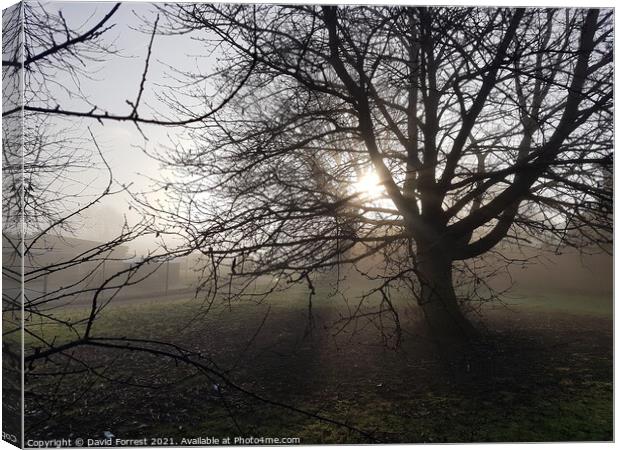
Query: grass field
545,374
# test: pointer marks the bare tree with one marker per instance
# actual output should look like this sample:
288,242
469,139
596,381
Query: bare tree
45,204
46,197
483,126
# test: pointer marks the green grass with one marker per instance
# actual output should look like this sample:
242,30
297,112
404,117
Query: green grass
566,302
550,382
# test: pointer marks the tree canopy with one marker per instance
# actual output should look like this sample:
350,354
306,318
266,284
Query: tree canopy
482,125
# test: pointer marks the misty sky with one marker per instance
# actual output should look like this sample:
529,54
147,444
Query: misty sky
114,81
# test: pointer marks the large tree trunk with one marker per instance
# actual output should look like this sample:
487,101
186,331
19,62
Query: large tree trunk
447,323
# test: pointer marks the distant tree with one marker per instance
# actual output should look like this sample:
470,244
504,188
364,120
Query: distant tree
483,125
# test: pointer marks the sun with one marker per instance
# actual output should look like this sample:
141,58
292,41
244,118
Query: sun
369,185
